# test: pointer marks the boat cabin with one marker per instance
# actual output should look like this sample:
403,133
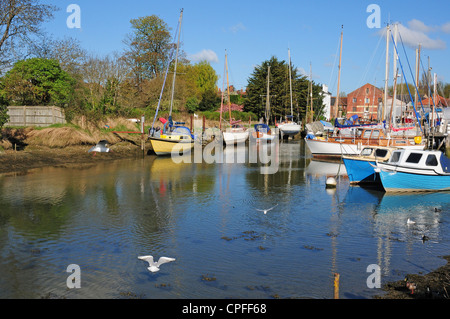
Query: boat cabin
417,159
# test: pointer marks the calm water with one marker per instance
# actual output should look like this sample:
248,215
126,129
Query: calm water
103,217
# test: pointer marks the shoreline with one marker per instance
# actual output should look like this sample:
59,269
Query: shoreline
20,161
433,285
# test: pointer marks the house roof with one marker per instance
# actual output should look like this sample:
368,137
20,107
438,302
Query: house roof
439,101
365,85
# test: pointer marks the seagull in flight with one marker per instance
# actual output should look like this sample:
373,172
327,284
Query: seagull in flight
266,210
154,267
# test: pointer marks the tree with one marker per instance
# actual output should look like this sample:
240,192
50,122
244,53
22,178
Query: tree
37,82
18,20
67,51
4,117
210,101
148,47
279,90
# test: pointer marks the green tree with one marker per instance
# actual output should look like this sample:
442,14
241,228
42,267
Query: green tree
4,117
149,46
210,101
255,100
37,82
192,104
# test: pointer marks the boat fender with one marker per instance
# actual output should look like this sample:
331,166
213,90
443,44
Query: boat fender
331,182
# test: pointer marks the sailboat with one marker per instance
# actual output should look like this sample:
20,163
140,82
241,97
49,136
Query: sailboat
174,138
236,133
262,130
337,145
289,127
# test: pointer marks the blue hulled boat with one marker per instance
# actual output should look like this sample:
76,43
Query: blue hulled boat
360,168
415,170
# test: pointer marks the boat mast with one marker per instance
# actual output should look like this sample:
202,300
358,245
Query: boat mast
228,89
383,114
311,93
336,103
176,63
395,69
223,90
268,96
290,82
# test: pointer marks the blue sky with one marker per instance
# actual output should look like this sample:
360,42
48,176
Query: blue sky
253,31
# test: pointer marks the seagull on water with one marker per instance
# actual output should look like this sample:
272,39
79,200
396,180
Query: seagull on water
266,210
154,267
410,222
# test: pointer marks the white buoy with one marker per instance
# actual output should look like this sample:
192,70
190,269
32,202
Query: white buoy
331,182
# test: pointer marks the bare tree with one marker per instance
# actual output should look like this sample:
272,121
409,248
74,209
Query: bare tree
18,20
67,51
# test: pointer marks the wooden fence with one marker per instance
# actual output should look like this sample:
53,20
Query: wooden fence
35,115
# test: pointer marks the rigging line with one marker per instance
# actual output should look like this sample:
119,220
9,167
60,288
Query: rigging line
164,82
428,85
371,60
406,81
335,58
412,75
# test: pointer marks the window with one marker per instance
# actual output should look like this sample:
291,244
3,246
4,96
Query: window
431,160
380,153
354,100
367,134
366,152
395,157
367,100
375,134
414,158
367,90
354,109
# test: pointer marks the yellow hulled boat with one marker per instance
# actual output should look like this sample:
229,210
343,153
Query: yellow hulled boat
178,141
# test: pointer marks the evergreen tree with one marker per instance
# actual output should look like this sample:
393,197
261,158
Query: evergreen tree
280,100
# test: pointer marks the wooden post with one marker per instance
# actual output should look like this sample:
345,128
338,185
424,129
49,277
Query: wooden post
336,286
204,124
143,134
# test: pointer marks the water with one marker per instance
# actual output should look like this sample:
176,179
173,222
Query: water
103,217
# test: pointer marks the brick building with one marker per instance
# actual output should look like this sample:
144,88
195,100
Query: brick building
365,102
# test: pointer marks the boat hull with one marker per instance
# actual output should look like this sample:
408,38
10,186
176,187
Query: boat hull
361,171
408,182
322,148
232,138
289,129
165,146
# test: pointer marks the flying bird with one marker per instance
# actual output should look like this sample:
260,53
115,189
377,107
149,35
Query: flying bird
266,210
154,267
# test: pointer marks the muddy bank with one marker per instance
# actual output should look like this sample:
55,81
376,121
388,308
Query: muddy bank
71,156
434,285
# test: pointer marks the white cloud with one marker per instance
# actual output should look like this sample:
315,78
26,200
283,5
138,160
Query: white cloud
419,26
204,55
416,34
446,27
238,27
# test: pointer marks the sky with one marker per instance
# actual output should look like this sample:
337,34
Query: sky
251,32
